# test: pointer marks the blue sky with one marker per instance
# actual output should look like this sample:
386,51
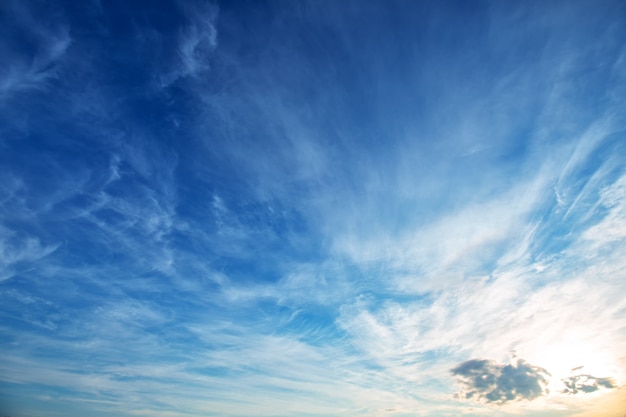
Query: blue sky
312,208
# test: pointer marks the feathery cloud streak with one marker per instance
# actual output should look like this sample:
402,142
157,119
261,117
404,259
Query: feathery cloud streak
311,209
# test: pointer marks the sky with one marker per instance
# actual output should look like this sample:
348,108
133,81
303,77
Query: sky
312,208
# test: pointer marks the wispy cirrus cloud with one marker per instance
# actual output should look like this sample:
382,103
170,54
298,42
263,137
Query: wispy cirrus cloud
17,251
198,39
196,43
612,228
571,316
290,223
23,72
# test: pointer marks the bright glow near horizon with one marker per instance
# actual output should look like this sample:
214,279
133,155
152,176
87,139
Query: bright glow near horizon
312,208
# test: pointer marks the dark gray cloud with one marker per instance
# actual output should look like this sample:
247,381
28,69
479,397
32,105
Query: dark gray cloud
584,383
489,381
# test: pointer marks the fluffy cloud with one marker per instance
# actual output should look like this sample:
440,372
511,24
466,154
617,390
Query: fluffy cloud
492,382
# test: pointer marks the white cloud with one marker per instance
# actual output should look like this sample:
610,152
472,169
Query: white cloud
589,140
429,246
575,320
18,248
21,73
456,245
612,228
196,43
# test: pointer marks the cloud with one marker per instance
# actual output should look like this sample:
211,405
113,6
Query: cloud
28,71
196,43
19,248
280,232
583,383
492,382
612,228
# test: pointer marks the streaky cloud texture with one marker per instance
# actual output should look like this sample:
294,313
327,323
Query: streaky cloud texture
312,208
